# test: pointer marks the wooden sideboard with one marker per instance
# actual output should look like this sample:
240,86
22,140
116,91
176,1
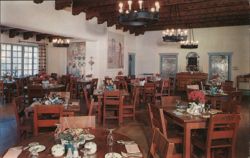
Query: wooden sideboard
186,78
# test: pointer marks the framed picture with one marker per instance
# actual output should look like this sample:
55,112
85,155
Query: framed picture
115,51
76,59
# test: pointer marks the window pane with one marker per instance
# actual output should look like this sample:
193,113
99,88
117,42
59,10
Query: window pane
8,66
19,54
3,60
3,46
19,48
8,60
30,49
15,60
14,48
19,66
14,54
8,47
8,54
35,50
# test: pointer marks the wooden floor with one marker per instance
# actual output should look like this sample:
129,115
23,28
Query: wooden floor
140,127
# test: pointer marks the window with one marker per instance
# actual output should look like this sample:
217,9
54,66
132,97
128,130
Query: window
18,60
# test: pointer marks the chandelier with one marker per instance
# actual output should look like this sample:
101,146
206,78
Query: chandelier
191,43
59,42
140,17
174,35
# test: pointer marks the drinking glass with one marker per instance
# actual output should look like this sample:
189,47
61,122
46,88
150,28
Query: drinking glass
110,140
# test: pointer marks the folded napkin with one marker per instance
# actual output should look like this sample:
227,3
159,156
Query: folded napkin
132,148
13,152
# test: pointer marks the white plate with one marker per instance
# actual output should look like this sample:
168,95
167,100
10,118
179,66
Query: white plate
33,144
113,155
89,136
37,148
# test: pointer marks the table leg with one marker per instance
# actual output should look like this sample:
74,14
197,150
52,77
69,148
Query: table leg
187,141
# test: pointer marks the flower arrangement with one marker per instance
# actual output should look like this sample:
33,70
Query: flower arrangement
197,96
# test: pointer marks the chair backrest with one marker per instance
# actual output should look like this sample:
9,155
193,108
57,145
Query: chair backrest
1,86
149,88
35,91
77,122
223,126
86,97
112,97
230,106
18,106
169,101
135,96
91,107
94,83
157,118
160,146
46,116
165,87
19,86
235,96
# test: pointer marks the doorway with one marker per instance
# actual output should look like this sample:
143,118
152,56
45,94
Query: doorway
131,64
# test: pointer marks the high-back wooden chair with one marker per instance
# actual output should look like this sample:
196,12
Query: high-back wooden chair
169,101
128,110
172,83
164,89
2,90
93,85
24,125
19,87
235,96
46,116
161,147
35,91
221,134
149,92
112,106
87,98
77,122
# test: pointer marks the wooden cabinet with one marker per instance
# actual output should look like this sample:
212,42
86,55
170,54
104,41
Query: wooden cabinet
186,78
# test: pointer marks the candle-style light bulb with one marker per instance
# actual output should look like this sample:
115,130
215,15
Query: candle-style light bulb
120,7
152,9
157,6
140,4
129,4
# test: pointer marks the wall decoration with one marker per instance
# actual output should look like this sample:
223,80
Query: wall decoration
168,65
76,59
115,51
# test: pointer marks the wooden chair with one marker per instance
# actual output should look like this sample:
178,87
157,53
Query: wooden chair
169,101
158,120
128,110
164,90
77,122
161,147
46,116
230,106
93,85
172,83
35,91
235,96
87,98
73,88
221,134
19,87
24,124
2,90
149,92
112,103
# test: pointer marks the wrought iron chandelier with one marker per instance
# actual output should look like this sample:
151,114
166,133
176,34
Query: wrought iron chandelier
140,17
191,43
59,42
174,35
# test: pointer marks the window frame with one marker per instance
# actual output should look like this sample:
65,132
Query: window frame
12,45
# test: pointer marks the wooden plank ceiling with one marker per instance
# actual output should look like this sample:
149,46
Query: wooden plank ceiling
26,34
190,13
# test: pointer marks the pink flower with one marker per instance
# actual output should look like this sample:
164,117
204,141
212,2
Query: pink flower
196,95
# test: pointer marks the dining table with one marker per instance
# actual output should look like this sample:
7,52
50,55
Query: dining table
188,122
100,138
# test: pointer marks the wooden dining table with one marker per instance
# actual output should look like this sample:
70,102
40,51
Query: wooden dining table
100,139
188,122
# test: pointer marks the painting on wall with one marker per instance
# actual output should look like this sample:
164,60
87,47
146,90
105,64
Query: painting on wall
168,67
219,67
115,51
76,59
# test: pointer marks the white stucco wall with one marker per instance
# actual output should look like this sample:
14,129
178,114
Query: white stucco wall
219,39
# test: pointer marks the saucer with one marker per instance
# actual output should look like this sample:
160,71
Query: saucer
113,155
37,148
